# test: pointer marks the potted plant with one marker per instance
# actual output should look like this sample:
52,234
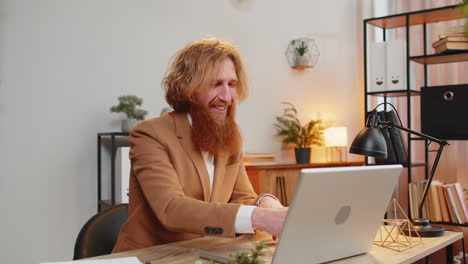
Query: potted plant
300,48
254,256
128,105
302,53
301,136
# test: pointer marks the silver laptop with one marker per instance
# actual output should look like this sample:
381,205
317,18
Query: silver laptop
334,213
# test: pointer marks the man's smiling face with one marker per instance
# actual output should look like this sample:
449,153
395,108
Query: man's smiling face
221,94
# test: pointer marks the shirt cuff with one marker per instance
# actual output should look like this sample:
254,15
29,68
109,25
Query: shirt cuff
243,223
263,196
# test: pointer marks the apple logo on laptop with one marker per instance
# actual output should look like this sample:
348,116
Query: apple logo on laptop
342,215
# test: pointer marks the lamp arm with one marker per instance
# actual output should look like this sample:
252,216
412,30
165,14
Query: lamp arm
390,124
428,184
442,144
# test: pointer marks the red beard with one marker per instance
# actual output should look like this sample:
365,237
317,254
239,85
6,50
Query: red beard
213,133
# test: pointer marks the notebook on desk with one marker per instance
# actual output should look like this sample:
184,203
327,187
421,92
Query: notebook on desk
334,213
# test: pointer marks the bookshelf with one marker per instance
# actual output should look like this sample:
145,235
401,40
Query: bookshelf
113,139
408,20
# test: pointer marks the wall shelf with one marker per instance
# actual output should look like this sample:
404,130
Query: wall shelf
418,17
395,93
441,58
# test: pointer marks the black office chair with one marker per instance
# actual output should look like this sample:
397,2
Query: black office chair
99,235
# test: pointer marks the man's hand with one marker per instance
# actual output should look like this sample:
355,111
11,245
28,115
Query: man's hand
269,202
270,220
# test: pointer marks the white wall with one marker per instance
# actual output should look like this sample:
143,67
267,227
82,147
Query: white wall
64,62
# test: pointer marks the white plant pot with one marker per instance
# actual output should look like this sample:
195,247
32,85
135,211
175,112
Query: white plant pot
128,124
302,61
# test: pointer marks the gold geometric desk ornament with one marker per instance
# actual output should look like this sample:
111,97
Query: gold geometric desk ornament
391,232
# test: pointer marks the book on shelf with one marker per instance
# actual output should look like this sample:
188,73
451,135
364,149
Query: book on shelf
461,199
451,47
396,64
437,211
452,205
451,38
387,66
432,201
417,190
443,202
377,67
458,204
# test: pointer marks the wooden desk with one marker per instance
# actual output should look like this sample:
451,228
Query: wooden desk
264,176
187,251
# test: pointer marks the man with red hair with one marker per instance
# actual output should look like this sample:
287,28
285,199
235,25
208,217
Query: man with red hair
187,178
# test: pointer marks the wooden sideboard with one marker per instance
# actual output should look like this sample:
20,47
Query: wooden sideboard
280,179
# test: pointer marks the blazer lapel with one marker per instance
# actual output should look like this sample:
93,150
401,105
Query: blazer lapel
220,169
184,134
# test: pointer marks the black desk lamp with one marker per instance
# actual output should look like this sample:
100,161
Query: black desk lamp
370,142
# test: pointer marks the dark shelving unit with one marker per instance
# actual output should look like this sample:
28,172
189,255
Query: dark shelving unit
406,20
113,148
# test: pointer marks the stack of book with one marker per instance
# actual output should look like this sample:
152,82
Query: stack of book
452,40
444,202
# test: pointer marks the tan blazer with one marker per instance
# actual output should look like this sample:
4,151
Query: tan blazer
170,194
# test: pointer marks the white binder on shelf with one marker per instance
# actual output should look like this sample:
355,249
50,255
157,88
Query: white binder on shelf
377,67
396,65
122,175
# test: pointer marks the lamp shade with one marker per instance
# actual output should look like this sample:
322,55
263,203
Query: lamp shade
369,142
335,137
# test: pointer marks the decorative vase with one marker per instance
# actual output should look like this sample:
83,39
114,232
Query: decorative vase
302,155
302,53
128,124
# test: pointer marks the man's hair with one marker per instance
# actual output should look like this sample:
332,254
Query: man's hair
191,70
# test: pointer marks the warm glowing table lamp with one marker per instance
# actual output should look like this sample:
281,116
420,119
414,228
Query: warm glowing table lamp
336,137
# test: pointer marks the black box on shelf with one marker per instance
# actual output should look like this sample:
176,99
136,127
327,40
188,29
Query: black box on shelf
444,111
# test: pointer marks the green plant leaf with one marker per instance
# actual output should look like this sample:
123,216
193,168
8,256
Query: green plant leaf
128,105
301,49
293,132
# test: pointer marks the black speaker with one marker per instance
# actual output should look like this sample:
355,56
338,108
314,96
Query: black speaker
444,111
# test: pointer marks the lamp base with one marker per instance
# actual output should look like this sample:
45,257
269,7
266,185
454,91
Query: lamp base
425,229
